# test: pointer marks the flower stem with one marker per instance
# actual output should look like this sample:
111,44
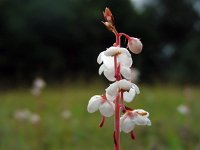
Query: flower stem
117,124
125,35
117,109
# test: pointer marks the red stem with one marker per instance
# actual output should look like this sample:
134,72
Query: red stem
117,108
118,36
125,35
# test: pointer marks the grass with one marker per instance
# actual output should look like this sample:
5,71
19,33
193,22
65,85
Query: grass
169,130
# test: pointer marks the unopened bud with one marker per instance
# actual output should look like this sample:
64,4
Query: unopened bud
109,26
135,45
108,16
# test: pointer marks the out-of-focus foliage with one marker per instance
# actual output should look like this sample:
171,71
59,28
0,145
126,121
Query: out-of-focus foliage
64,37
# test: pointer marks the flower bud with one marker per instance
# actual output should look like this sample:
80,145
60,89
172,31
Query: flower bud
135,45
109,26
108,16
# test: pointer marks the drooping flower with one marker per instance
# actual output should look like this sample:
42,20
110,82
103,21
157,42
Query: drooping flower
135,45
105,106
129,90
107,59
132,118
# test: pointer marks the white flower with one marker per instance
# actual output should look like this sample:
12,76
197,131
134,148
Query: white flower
34,118
132,118
105,106
22,114
38,85
107,58
135,45
183,109
129,90
66,114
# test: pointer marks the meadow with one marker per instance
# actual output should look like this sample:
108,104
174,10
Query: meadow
76,129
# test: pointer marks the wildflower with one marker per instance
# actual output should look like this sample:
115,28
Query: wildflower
22,114
116,65
135,45
34,118
183,109
38,85
107,57
129,90
66,114
132,118
105,106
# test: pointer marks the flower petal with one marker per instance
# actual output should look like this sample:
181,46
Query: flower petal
124,84
127,125
126,72
112,89
99,58
141,120
141,117
94,103
107,109
125,60
112,51
101,69
136,88
129,96
110,98
108,61
122,120
110,74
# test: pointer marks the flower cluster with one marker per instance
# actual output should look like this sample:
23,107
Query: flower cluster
116,63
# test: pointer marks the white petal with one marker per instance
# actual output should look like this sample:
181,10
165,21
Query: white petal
124,84
112,51
136,88
124,50
141,120
148,122
101,69
127,125
110,98
122,120
110,74
108,61
112,90
94,103
107,109
126,72
99,58
125,60
129,96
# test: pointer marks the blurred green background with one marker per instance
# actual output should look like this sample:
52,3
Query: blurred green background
59,41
